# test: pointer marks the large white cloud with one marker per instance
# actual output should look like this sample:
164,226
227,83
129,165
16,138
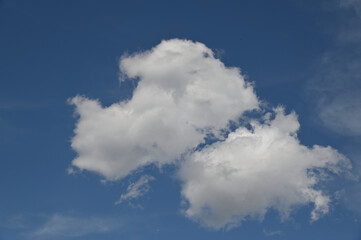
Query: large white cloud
183,93
254,170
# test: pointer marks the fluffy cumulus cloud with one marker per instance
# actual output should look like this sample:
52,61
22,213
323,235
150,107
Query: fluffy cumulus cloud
257,169
184,92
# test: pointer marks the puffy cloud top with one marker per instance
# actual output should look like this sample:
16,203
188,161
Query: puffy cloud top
183,92
254,170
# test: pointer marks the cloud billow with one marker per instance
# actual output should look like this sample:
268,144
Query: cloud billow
178,99
183,94
254,170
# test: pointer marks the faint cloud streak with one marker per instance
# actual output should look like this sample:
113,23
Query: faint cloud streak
136,189
60,226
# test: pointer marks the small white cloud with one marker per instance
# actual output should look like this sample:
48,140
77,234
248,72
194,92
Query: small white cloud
60,226
271,233
254,170
137,189
183,93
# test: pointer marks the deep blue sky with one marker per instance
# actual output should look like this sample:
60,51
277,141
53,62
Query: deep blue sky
51,51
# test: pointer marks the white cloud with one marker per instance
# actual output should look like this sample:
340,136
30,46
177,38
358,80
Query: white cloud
183,93
61,226
254,170
272,233
137,189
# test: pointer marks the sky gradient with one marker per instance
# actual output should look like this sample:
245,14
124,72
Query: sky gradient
181,120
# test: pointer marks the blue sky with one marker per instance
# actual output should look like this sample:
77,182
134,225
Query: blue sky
166,162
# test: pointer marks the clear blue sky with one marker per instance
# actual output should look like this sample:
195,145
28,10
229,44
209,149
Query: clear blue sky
302,55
